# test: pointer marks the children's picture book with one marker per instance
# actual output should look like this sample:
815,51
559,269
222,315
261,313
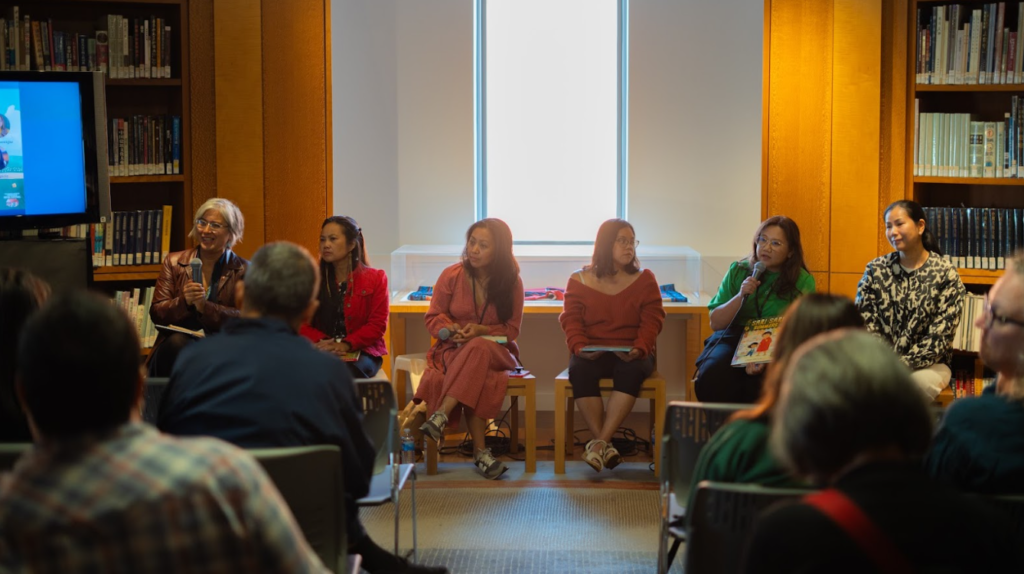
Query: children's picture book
758,341
350,356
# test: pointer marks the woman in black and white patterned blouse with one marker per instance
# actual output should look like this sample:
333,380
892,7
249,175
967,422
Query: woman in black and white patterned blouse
912,297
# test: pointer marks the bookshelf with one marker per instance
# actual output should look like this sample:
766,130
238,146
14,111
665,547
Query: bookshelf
943,79
148,88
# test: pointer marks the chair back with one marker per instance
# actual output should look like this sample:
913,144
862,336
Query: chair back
380,418
721,521
153,393
688,427
10,452
1012,506
310,480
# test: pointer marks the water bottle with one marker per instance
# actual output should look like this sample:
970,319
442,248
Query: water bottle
408,447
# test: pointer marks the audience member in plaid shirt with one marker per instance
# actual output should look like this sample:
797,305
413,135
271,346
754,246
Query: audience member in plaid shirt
103,492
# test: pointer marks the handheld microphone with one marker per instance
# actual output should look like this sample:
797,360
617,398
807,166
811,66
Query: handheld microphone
197,270
759,269
444,334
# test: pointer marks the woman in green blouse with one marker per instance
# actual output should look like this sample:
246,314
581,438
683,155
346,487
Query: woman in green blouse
741,297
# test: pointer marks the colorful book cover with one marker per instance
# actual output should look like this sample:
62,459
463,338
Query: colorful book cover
758,341
12,172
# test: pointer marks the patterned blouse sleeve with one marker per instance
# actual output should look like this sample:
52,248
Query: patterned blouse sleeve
934,346
868,301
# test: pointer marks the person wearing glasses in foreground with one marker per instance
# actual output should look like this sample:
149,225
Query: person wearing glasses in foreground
912,297
612,317
740,298
182,302
977,447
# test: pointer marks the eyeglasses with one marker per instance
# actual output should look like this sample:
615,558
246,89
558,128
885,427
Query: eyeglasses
775,243
200,223
627,242
992,317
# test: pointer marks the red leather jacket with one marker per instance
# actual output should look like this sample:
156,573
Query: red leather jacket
366,307
169,307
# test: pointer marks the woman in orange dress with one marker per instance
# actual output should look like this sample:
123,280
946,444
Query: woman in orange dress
467,371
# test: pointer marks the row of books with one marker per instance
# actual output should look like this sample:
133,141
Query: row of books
120,47
970,44
968,336
965,384
135,304
132,238
144,145
977,237
957,145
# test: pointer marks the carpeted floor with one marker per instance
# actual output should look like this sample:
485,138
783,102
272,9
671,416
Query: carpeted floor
519,529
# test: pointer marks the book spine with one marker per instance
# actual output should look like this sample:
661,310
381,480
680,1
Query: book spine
990,149
165,232
101,51
176,144
155,229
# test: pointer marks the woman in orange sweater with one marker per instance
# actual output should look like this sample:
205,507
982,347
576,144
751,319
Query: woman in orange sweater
610,303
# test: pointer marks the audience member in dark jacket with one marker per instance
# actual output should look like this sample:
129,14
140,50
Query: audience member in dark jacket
21,295
260,384
980,445
850,417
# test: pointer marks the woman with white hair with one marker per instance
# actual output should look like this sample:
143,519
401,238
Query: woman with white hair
181,301
850,418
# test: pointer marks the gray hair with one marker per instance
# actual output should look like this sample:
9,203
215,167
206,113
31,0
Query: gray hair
231,214
281,280
846,393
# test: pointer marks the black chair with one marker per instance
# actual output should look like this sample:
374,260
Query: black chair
10,452
310,480
688,427
721,521
380,423
152,394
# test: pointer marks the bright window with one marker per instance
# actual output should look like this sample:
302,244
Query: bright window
551,115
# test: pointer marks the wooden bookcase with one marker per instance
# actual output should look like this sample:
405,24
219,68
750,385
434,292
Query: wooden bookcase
986,102
130,96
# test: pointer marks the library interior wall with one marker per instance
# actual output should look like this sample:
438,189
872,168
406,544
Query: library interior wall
403,137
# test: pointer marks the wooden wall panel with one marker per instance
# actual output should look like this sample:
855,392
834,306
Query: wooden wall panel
800,120
296,122
820,281
856,108
240,115
202,86
844,284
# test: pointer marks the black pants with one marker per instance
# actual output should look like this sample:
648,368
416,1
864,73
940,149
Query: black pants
585,375
720,382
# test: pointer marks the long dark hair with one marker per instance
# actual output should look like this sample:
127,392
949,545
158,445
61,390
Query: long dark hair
810,315
785,285
602,262
21,295
353,234
503,270
916,213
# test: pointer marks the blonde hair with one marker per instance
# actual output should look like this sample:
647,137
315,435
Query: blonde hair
231,214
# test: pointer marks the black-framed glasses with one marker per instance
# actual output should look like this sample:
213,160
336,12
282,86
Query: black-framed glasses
200,223
775,243
991,316
627,242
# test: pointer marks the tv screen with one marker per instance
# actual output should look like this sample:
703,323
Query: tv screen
53,154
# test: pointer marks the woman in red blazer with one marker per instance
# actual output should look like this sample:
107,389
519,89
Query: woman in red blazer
353,312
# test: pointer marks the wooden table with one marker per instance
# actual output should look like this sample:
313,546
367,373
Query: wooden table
698,328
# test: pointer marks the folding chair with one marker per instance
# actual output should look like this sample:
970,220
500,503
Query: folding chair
380,423
688,427
721,521
310,480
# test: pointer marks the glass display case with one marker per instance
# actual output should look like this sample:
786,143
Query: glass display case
414,267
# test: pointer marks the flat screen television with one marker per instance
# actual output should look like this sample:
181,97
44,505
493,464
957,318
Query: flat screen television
53,149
